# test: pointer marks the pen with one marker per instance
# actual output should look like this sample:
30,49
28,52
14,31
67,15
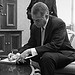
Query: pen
12,52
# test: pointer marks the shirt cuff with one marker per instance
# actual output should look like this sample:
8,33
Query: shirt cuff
34,52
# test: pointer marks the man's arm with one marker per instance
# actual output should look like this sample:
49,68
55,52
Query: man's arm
54,9
29,8
31,42
56,42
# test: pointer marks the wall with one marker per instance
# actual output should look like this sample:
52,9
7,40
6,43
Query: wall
63,8
22,21
74,15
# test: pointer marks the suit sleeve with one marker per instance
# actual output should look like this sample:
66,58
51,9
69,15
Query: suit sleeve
29,8
31,42
56,42
54,9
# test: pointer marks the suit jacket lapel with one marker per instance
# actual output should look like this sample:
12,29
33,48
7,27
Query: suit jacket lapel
48,29
38,36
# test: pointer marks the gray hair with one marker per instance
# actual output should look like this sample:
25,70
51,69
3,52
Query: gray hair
39,7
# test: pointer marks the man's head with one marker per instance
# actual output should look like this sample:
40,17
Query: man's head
40,14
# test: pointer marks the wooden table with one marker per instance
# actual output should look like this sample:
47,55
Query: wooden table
13,69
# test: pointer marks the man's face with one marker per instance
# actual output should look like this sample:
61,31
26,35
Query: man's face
39,21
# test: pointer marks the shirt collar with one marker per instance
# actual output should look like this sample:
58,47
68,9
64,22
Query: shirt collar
45,24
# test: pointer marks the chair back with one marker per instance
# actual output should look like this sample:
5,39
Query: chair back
71,35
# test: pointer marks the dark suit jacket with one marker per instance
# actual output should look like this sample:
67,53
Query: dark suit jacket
50,3
56,38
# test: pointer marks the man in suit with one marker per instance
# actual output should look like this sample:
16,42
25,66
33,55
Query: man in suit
50,3
48,44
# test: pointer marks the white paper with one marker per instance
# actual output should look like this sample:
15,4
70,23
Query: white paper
6,60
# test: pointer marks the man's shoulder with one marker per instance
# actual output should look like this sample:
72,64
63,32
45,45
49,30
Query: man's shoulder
57,22
56,19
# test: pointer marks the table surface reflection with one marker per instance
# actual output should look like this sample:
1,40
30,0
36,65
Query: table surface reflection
12,69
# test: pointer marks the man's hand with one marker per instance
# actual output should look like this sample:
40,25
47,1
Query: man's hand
25,53
23,56
12,56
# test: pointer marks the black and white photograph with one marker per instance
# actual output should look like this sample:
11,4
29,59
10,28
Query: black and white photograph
37,37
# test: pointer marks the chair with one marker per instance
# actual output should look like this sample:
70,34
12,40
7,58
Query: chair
69,69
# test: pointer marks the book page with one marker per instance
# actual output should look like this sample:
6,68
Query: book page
6,60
